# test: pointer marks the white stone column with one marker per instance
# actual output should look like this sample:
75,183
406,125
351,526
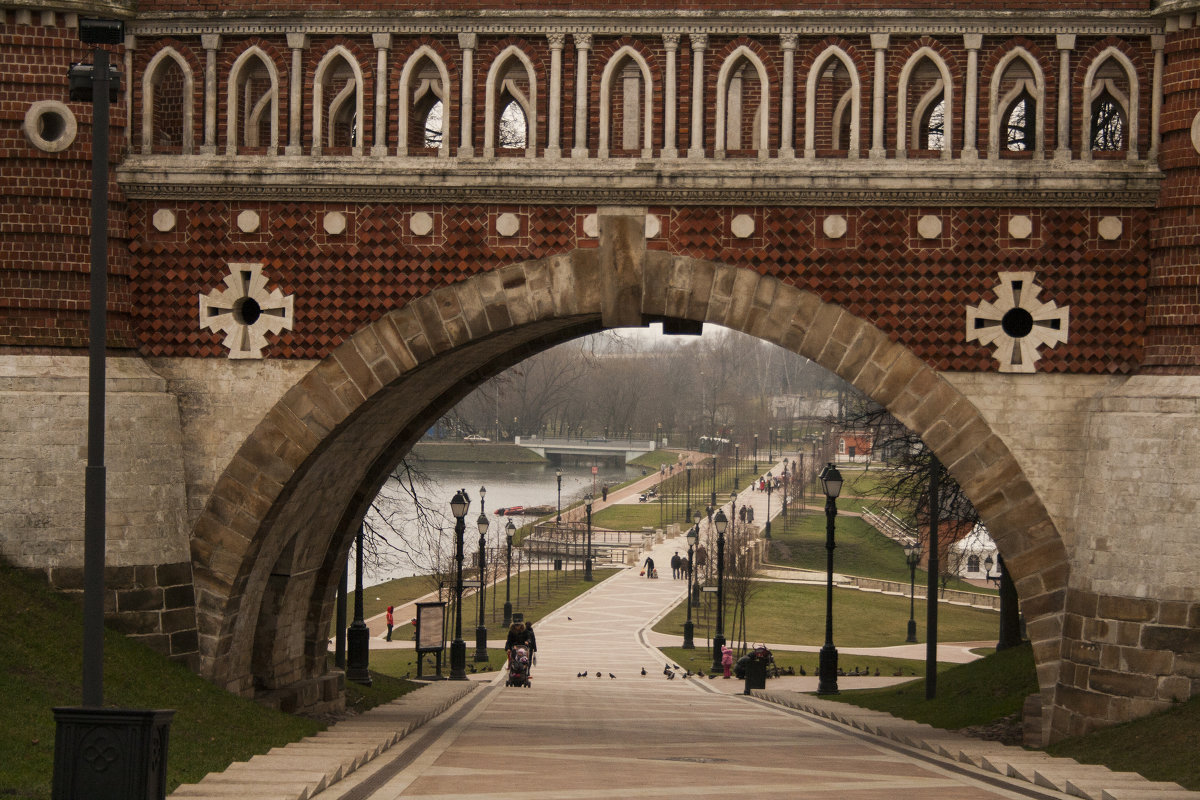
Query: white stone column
383,43
787,99
553,142
466,114
297,42
210,42
879,43
670,101
583,43
130,46
699,44
1157,42
1065,43
972,41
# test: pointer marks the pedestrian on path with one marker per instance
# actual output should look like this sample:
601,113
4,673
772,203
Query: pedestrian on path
649,567
390,621
604,493
675,563
726,659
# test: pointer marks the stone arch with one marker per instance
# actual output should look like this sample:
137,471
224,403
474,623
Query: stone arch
411,94
270,544
325,113
607,78
151,78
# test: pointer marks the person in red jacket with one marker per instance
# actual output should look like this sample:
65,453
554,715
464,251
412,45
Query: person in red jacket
390,620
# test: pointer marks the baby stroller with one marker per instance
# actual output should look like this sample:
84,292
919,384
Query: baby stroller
518,667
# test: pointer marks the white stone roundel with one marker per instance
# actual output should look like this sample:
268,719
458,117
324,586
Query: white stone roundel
835,226
335,223
929,227
508,225
248,221
163,220
421,224
653,226
1196,132
1110,228
1020,226
742,226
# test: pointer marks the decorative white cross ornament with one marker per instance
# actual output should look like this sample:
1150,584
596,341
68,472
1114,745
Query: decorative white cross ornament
1018,323
245,311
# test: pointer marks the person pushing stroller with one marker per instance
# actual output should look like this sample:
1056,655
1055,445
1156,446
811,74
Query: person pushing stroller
519,648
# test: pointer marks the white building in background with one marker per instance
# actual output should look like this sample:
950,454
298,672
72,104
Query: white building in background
969,555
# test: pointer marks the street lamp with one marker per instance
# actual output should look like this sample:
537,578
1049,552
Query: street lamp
714,476
688,512
784,489
767,526
587,562
481,655
912,554
458,648
558,502
987,569
358,636
756,454
736,459
718,641
509,530
770,443
693,536
831,482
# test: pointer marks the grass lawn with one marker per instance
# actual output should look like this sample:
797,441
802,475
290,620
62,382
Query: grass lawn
1161,747
794,614
630,517
41,667
655,459
799,541
476,452
967,694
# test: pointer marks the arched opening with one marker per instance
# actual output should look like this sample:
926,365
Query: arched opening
333,439
337,105
511,106
742,106
167,105
832,112
1019,118
253,125
1017,126
1111,92
424,112
925,88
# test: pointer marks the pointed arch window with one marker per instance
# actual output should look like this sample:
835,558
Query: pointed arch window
931,127
1108,123
1016,127
1111,103
925,88
424,118
742,106
626,111
167,98
510,109
253,105
513,130
832,106
337,105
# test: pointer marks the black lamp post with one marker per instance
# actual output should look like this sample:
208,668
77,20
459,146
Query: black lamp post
688,512
736,460
693,536
987,569
358,637
509,529
558,502
458,648
784,489
481,655
770,443
912,554
718,642
587,562
756,454
767,526
831,481
713,500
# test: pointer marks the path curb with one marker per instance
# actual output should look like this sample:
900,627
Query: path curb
302,769
1089,781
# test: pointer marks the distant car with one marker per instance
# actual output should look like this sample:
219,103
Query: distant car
474,437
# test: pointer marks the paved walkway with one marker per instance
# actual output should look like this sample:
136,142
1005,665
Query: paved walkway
616,733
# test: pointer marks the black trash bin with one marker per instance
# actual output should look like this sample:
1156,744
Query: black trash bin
558,563
756,675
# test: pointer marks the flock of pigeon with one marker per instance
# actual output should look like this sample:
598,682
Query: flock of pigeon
670,670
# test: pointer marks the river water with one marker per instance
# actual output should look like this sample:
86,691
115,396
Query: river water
507,485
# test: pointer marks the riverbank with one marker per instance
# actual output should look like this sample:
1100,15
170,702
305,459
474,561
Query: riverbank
476,453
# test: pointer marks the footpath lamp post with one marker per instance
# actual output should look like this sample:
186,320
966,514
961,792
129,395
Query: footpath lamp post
458,648
756,454
558,502
718,641
688,511
767,526
587,562
784,489
831,481
912,554
358,637
693,536
481,655
736,463
509,530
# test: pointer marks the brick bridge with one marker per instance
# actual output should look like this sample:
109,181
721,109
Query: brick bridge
331,221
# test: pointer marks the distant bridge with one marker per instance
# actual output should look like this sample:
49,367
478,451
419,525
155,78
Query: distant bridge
587,451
